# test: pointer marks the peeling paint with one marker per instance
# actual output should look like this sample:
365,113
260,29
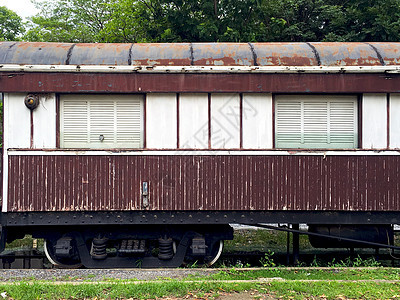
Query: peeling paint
203,83
202,54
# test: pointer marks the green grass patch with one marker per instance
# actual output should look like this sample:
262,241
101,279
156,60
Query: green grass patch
306,274
152,290
261,240
116,290
335,290
25,243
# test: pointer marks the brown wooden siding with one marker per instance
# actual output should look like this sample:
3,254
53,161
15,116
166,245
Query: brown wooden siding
211,182
213,83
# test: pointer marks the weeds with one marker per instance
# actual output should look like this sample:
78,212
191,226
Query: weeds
355,262
267,260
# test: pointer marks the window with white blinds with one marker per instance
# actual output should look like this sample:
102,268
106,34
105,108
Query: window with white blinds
316,122
101,121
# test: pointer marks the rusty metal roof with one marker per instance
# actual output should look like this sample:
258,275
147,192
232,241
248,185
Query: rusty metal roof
202,54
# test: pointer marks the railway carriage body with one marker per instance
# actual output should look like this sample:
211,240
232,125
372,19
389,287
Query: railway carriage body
144,147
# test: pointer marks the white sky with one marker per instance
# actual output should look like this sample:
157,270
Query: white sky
24,8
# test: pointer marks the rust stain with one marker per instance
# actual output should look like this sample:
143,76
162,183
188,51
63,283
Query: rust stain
222,54
34,53
161,62
161,54
100,54
390,52
346,54
207,54
284,54
223,61
26,46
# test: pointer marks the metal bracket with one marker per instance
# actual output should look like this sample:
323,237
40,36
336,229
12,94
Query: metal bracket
145,194
199,246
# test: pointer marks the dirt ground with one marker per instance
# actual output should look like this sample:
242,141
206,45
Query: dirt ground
247,295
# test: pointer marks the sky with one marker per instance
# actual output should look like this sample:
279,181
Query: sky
24,8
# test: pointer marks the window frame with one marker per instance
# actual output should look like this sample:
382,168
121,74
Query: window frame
357,119
92,97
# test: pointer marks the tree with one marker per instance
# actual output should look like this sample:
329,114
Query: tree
70,21
216,21
10,25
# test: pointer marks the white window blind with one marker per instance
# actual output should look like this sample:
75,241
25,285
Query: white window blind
101,121
316,122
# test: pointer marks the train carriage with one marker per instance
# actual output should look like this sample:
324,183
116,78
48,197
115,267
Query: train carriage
126,155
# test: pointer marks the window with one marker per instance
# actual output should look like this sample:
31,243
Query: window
101,121
316,122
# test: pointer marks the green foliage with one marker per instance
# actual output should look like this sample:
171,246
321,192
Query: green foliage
25,243
215,21
267,260
70,21
10,25
261,240
355,262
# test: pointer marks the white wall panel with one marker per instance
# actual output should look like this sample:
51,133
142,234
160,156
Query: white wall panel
394,129
257,121
374,121
44,122
193,121
225,121
17,122
161,121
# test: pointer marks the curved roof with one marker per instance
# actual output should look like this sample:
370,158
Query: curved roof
201,54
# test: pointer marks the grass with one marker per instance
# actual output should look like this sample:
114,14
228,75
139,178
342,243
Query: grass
117,290
308,274
291,285
261,240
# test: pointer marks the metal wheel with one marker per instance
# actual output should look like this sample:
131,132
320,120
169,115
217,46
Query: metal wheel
208,260
63,262
215,254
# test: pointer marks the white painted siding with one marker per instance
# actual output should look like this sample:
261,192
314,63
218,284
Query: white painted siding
17,122
257,121
225,121
161,121
374,121
44,122
394,129
193,121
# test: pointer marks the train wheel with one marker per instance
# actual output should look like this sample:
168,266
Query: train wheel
210,258
215,253
62,262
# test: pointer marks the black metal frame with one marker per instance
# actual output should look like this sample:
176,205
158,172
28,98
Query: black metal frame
297,232
47,219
